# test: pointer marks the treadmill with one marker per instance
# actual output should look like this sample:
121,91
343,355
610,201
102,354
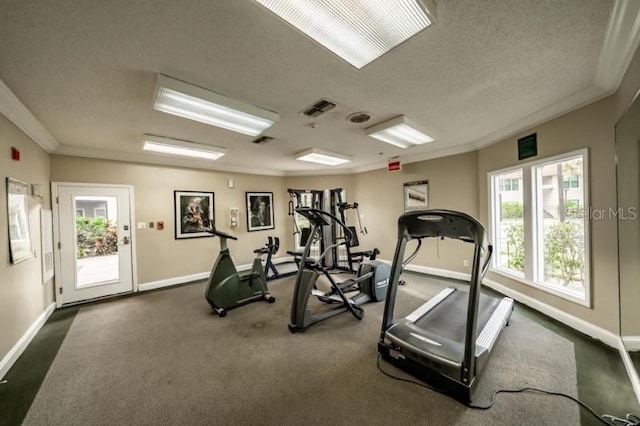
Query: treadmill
447,341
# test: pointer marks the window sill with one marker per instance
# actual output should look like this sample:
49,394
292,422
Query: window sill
570,296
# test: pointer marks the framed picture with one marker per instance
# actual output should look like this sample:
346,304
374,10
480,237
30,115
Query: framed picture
18,217
416,195
193,213
259,211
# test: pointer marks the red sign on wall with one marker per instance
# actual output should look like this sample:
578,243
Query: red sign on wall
393,165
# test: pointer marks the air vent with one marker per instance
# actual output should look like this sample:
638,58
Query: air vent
263,140
319,108
359,117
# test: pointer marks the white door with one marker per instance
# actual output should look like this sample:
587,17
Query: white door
94,241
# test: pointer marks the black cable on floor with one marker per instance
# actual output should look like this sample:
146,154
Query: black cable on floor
629,420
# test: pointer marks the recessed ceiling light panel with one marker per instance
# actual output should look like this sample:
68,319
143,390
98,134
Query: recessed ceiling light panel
356,31
195,103
399,131
170,146
319,156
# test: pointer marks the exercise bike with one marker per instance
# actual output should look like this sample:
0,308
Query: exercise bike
227,288
371,281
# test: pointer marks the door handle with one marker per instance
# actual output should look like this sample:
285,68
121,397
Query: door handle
125,240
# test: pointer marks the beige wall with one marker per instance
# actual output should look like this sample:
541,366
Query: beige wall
23,297
628,159
628,149
159,255
590,127
452,185
628,87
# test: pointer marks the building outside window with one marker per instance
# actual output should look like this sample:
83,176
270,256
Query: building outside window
509,184
571,181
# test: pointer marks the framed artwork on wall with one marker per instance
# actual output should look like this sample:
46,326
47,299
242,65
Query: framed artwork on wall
416,195
193,213
18,217
259,211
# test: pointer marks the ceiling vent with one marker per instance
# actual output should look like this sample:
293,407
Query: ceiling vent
359,117
263,140
319,108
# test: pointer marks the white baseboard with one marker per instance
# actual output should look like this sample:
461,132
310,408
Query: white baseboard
172,281
438,272
631,369
632,343
153,285
24,341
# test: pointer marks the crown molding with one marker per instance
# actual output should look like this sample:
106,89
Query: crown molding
621,42
158,159
21,117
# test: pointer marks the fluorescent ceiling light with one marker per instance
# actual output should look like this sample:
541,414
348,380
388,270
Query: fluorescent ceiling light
356,31
315,155
399,131
195,103
183,148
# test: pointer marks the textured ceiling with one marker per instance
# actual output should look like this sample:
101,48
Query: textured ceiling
86,70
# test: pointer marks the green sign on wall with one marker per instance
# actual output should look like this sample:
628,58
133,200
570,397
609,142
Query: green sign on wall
528,146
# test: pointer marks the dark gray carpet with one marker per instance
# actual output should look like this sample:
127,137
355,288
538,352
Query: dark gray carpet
163,358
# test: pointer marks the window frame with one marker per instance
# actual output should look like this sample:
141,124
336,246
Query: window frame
532,249
493,209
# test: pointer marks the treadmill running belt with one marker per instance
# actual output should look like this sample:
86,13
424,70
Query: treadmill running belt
449,318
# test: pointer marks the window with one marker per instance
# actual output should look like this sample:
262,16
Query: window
100,212
80,212
571,181
540,231
509,184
